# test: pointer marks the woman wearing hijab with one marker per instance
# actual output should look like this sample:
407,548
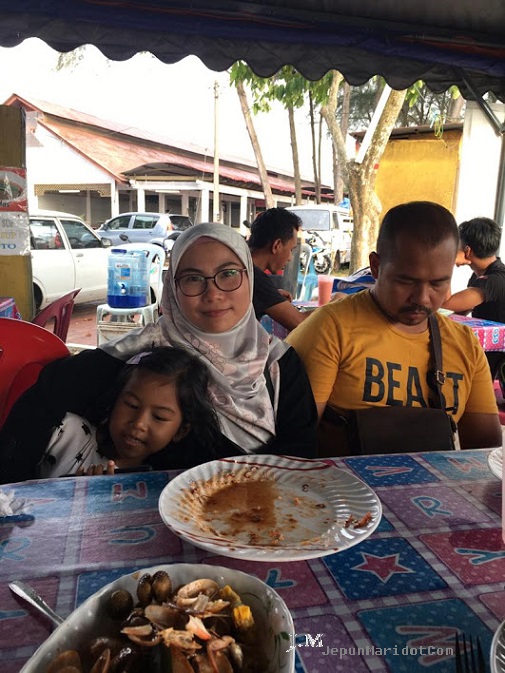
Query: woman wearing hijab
259,388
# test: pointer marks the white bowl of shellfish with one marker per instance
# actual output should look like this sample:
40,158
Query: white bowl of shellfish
195,618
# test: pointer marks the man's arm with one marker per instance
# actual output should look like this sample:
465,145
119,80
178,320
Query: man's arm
465,301
286,315
479,431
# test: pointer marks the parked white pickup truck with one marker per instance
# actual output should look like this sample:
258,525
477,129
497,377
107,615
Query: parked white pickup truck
333,224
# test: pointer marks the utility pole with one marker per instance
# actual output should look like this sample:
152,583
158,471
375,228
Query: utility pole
216,210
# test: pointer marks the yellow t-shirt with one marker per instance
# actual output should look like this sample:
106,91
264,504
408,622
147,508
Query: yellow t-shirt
355,358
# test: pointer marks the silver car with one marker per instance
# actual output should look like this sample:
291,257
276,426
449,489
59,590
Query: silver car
137,228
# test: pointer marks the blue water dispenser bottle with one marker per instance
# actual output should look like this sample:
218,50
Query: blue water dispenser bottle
128,279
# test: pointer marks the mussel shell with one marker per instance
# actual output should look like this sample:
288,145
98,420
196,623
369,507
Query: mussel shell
145,590
98,645
162,586
68,659
102,664
127,660
120,604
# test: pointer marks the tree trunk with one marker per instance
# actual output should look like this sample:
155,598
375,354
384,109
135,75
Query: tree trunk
337,178
319,144
296,157
267,191
314,148
344,126
365,204
328,113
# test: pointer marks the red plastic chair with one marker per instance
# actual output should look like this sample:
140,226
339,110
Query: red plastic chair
61,311
25,349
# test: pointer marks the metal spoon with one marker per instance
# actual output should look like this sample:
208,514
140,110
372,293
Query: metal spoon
31,596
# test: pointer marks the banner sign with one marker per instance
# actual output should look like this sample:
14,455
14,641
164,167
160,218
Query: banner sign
13,189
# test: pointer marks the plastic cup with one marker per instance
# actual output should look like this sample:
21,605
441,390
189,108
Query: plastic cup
324,289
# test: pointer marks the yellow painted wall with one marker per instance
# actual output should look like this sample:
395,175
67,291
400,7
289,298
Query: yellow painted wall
420,168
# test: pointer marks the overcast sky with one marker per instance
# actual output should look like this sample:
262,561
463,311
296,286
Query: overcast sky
176,101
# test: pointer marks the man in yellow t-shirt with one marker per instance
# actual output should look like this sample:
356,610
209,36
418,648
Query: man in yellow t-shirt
372,348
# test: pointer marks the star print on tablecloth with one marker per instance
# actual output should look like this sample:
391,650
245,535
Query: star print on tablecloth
382,568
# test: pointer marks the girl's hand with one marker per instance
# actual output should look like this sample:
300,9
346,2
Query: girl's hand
94,470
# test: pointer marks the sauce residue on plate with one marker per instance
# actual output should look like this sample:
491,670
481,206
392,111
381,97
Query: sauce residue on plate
246,506
252,510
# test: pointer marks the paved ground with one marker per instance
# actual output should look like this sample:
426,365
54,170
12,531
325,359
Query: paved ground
83,324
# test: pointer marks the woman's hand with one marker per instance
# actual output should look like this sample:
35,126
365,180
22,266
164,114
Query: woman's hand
94,470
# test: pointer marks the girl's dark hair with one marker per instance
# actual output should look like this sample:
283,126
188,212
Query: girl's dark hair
191,379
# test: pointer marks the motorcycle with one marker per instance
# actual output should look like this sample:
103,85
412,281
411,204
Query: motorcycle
315,250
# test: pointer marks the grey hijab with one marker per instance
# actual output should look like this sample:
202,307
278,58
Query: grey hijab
237,359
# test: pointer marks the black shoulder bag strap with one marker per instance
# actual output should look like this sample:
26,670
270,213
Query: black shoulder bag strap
438,373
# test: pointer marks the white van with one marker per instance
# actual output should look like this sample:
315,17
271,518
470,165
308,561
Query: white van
333,224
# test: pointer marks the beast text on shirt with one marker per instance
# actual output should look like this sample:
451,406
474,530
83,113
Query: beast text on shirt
383,384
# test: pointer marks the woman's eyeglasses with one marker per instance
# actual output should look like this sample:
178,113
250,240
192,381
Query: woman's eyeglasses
194,284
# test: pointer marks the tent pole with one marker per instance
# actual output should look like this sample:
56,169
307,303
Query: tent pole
499,210
499,128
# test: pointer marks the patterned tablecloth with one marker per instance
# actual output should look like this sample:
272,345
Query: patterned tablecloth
8,308
490,334
435,564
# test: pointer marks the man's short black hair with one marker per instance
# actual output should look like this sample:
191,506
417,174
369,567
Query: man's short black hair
273,224
424,221
481,234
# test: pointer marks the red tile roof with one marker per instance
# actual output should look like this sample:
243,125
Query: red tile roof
125,153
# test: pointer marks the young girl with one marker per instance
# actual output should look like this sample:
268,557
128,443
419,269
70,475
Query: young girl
159,406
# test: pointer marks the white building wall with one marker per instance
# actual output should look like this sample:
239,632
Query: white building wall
56,162
479,164
478,172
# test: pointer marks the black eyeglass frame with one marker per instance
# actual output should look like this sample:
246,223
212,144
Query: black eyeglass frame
207,278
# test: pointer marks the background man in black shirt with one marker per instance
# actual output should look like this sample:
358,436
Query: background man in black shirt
274,236
479,241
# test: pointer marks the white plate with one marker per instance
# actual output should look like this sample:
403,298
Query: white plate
498,650
89,620
306,504
494,461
